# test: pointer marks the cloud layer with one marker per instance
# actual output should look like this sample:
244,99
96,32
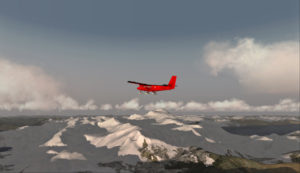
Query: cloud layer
168,105
106,107
29,88
268,68
232,105
130,105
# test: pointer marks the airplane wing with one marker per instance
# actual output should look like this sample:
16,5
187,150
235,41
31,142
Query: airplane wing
138,83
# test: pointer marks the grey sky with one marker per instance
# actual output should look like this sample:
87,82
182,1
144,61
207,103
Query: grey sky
94,47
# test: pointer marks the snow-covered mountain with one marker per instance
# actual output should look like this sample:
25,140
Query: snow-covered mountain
113,143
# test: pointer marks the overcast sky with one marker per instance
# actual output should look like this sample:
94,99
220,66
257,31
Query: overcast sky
78,55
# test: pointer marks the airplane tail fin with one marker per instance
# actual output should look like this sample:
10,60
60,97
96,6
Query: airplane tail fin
172,82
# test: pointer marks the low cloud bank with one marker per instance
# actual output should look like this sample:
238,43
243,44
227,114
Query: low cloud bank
168,105
25,87
233,105
268,68
130,105
106,107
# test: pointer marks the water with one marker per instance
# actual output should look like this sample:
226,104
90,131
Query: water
262,130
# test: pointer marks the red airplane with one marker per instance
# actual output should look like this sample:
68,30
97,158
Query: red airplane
148,88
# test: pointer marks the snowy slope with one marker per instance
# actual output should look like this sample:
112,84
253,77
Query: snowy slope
80,143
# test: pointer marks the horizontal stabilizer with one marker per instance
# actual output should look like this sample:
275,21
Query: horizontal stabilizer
138,83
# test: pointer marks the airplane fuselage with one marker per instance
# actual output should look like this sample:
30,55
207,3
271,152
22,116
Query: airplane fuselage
148,88
153,88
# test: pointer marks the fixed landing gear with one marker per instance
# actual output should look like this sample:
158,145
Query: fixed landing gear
148,92
154,93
